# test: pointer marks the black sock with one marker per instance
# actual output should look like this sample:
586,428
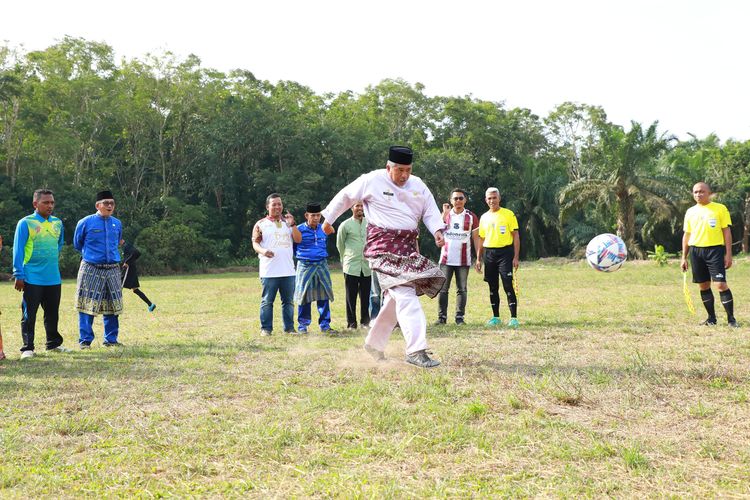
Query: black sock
495,303
511,294
142,296
707,296
728,302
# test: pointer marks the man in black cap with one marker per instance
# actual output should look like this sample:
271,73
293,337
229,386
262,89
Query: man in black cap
313,280
98,288
394,202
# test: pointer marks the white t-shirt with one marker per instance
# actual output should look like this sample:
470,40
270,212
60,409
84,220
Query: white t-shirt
457,249
386,204
277,237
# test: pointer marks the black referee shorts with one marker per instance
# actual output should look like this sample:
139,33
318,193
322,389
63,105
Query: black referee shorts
708,263
498,262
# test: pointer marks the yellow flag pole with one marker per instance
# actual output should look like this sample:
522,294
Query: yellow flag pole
686,293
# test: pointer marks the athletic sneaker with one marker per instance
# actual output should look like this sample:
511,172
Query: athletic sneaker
376,355
265,333
27,354
421,359
112,344
733,323
151,308
513,323
709,322
85,345
59,349
291,332
439,322
302,329
494,322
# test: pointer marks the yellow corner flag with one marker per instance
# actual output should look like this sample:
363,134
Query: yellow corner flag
515,284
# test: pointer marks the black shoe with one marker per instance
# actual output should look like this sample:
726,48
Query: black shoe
84,345
331,332
421,359
733,323
709,322
439,322
112,344
460,321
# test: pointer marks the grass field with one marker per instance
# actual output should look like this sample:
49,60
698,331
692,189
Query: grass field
608,388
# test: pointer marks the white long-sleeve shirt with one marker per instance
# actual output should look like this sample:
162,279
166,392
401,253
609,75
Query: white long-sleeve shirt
386,204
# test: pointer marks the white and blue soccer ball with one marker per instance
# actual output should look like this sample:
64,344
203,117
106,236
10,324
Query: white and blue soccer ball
606,252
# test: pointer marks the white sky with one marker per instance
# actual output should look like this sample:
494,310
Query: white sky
682,62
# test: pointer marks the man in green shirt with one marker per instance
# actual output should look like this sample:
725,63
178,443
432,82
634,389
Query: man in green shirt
351,244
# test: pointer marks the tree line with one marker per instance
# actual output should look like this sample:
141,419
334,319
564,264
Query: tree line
191,154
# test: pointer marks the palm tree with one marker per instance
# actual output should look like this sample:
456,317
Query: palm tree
623,173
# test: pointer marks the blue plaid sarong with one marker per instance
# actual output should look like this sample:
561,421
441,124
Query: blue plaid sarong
313,282
99,289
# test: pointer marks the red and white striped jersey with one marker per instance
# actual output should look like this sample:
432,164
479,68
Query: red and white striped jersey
457,249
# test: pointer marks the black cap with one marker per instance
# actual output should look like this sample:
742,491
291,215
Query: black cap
104,195
313,207
401,155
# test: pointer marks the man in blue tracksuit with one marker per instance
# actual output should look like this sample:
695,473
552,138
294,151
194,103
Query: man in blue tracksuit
98,288
36,270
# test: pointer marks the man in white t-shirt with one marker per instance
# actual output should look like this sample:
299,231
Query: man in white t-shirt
455,257
272,240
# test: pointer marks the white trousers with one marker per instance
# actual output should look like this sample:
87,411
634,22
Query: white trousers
400,305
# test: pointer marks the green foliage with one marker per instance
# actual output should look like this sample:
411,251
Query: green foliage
660,256
200,148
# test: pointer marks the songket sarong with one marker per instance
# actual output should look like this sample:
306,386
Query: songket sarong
392,253
313,282
98,289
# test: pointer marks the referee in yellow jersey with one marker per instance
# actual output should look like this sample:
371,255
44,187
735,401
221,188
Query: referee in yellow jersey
499,245
708,239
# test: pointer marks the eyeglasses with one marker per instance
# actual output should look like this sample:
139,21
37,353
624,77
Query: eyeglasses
108,203
458,198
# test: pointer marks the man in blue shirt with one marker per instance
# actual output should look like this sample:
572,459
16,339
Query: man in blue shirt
313,280
98,288
36,255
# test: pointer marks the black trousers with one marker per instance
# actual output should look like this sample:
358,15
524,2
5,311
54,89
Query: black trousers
357,285
48,296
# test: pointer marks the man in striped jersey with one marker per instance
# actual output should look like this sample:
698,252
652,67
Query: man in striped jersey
455,257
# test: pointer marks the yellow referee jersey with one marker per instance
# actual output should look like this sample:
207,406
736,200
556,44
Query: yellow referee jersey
705,224
496,228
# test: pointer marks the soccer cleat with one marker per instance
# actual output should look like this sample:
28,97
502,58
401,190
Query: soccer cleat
421,359
513,323
494,322
709,322
85,345
151,308
27,354
376,355
112,344
59,349
265,333
733,323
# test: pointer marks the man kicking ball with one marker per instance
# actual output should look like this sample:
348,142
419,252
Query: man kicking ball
394,202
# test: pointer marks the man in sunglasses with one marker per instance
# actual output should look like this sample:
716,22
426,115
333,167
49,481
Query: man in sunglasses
98,288
455,256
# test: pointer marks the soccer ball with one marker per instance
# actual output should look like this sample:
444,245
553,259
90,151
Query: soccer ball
606,252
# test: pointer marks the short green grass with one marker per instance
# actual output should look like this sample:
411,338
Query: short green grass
608,388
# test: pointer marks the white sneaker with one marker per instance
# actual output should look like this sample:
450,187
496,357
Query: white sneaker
60,349
27,354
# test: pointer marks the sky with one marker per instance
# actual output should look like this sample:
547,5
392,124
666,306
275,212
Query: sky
683,63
